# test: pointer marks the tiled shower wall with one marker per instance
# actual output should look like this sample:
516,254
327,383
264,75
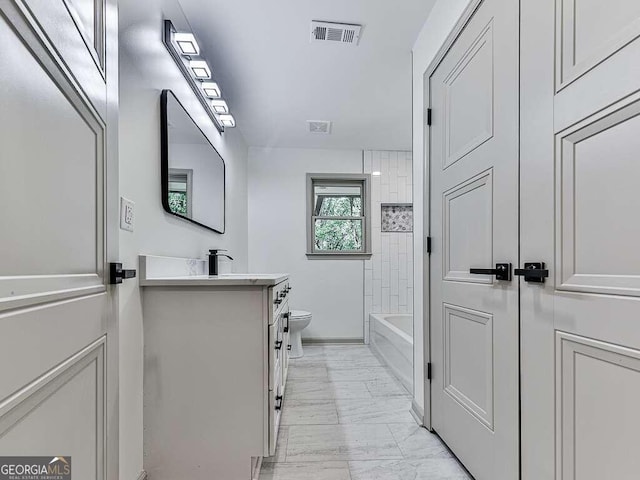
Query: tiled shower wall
388,275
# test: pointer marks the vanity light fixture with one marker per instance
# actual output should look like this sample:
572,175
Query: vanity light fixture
228,121
220,106
376,174
185,51
187,43
211,89
200,69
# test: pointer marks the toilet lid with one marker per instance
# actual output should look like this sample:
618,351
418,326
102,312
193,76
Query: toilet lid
299,314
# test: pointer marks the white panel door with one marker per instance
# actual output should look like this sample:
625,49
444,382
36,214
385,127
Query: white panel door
58,175
474,224
580,203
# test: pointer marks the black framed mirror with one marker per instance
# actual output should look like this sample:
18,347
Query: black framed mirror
193,172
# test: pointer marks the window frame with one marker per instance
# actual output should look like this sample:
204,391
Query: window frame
338,179
188,173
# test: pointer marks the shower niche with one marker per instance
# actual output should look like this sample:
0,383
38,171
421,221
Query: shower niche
397,217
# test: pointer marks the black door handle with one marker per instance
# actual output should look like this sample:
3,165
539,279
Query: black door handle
534,272
502,271
117,273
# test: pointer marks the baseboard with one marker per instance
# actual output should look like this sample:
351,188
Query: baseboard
142,476
417,413
335,341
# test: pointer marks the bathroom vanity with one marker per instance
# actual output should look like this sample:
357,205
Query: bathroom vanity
215,369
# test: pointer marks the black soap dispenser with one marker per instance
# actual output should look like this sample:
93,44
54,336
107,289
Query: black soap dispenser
213,260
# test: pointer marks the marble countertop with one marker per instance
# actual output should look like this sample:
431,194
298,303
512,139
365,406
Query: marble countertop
175,272
229,279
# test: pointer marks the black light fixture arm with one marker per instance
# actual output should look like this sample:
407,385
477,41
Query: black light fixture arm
167,39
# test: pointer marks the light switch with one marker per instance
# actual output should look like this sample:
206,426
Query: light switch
127,214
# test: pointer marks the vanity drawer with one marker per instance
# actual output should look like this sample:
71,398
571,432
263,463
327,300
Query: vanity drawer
276,351
278,297
276,402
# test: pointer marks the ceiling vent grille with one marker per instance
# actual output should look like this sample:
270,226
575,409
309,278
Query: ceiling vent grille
322,127
344,33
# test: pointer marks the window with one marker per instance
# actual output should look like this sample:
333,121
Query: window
180,191
338,215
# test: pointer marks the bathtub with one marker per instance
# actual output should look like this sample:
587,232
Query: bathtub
392,341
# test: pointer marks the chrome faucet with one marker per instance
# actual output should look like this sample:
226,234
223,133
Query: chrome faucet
213,260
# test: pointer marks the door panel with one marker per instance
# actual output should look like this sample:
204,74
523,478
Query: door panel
597,243
58,317
598,386
468,120
57,179
473,157
579,208
590,31
72,394
468,208
468,372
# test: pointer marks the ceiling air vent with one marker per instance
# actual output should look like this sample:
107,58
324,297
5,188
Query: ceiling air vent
319,126
335,32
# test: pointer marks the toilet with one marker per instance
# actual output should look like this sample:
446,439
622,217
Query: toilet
298,321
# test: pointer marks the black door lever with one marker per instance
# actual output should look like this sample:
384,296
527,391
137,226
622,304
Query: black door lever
502,271
117,273
534,272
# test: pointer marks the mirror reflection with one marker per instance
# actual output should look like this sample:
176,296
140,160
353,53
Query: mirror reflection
193,184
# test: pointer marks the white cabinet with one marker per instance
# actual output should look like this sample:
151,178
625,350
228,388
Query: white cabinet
215,359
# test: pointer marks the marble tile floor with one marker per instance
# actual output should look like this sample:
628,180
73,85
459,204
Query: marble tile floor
346,417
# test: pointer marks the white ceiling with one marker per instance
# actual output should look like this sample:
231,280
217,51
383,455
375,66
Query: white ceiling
275,79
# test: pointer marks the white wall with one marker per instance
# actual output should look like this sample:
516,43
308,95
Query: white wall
332,290
388,275
146,68
207,192
442,19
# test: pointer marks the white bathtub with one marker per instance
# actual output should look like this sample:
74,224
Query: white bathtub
392,341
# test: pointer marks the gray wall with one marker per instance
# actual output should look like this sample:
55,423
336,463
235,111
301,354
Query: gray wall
146,69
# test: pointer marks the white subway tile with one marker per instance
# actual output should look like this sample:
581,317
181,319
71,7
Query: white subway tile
385,300
375,161
377,292
385,275
402,192
377,266
368,282
393,180
402,243
393,160
403,291
393,257
393,304
384,190
367,162
403,266
394,282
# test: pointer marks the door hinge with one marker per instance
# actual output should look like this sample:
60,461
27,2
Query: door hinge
428,245
429,115
428,371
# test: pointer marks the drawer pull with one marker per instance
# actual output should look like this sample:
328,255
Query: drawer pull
278,344
279,399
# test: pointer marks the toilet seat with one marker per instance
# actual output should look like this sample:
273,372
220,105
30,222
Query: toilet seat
299,314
